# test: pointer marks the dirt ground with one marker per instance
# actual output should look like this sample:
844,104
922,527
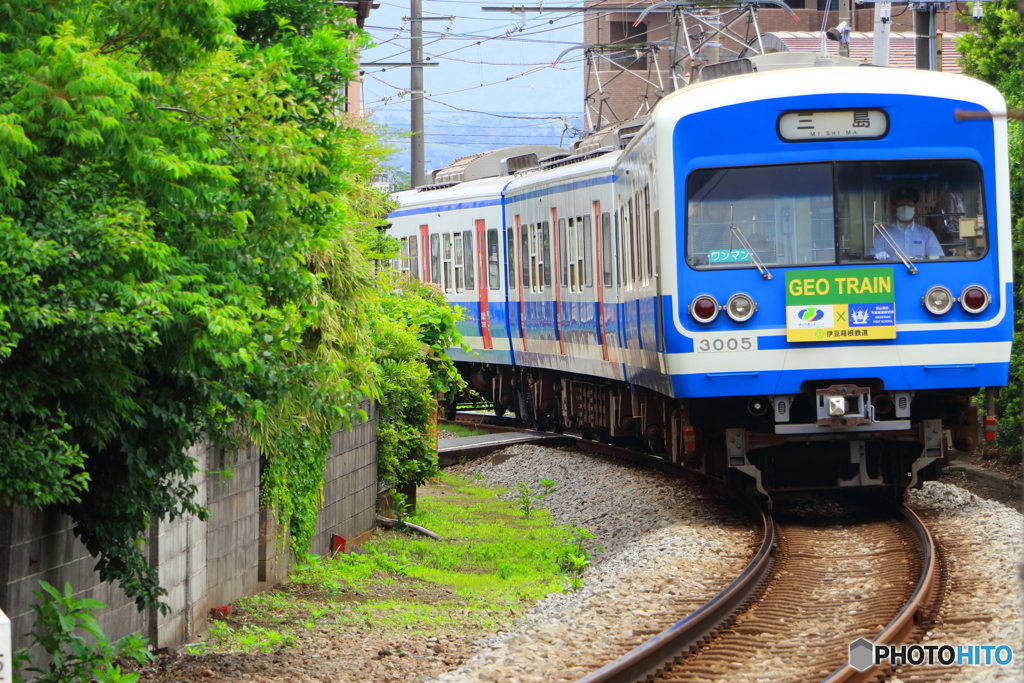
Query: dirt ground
988,459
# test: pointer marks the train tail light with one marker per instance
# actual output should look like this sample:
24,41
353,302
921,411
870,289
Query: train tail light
974,299
704,308
938,300
740,307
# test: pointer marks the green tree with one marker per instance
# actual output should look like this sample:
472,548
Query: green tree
179,200
992,52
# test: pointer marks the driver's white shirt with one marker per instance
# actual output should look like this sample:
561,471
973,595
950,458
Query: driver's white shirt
917,242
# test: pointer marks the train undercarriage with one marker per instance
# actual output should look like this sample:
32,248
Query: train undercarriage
831,435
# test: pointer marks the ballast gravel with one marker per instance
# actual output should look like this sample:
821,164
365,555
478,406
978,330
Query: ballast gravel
666,541
663,536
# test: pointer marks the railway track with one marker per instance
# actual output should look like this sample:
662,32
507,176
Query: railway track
830,584
811,589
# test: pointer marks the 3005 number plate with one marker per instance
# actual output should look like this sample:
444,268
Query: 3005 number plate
718,344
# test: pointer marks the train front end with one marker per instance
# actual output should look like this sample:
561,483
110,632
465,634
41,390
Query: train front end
842,279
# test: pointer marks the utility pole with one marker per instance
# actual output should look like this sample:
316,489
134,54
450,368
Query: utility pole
416,90
844,17
924,33
880,46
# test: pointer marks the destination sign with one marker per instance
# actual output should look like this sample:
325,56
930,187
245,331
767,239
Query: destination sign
840,305
833,124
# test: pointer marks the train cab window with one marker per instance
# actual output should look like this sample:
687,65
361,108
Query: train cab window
783,215
510,253
435,258
842,212
469,265
930,209
588,253
606,250
447,274
493,271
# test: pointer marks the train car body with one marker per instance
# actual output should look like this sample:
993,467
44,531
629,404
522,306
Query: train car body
730,283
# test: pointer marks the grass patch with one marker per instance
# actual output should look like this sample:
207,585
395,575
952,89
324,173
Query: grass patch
493,563
462,430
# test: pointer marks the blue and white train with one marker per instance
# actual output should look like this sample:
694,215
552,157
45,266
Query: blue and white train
733,281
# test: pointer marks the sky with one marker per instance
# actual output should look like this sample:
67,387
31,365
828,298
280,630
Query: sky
489,63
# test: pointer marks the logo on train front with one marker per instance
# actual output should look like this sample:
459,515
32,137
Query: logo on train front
864,654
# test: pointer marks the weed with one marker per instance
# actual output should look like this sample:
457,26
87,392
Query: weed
527,496
61,627
574,557
461,430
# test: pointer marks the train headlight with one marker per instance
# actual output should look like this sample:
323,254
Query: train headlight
938,300
974,299
704,308
740,307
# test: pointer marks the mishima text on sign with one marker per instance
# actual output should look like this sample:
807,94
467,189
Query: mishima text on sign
840,305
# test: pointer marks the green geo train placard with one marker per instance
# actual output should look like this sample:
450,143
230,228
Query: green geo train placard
840,305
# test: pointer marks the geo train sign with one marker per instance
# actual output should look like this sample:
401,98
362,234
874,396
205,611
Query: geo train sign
840,305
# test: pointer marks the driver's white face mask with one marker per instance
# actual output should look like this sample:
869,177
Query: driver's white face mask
905,213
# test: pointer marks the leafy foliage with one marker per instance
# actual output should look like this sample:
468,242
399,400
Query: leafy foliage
179,200
993,53
63,624
413,326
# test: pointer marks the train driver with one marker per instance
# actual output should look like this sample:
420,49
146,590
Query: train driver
917,241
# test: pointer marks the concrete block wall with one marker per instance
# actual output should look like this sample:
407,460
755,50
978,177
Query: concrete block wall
232,532
40,545
179,548
351,481
236,552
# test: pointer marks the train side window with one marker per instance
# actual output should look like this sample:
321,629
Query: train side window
606,249
563,253
545,240
571,248
657,242
648,241
524,253
414,257
616,232
588,253
493,278
630,228
446,254
469,263
510,253
398,264
460,263
435,258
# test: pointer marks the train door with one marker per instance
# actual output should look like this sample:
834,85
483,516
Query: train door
482,257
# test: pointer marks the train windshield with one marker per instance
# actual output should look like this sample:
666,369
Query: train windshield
833,213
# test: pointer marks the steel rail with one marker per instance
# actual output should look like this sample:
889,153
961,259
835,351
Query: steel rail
914,612
663,649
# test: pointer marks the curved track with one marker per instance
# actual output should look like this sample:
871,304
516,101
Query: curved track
799,626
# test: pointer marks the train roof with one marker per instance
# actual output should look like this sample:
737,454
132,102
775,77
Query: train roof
792,74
